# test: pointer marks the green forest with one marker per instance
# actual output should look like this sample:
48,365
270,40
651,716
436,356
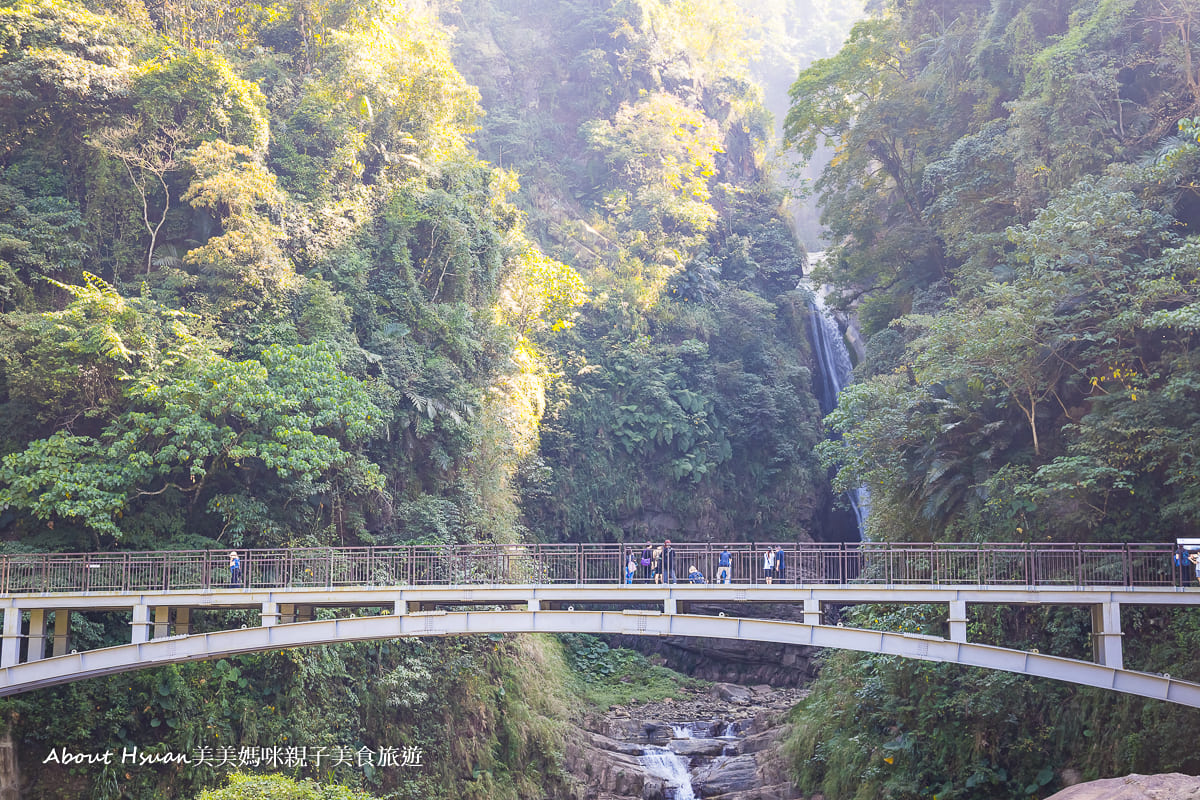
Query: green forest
375,272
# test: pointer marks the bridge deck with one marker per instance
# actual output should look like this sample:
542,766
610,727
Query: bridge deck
421,591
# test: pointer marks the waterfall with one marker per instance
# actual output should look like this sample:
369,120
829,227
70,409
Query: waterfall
681,731
836,371
672,770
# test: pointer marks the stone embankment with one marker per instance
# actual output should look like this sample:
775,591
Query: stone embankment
725,740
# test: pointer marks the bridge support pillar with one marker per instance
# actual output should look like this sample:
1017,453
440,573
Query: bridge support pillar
1106,635
812,611
183,621
270,614
62,631
140,624
10,650
37,635
958,620
534,604
670,606
401,608
162,622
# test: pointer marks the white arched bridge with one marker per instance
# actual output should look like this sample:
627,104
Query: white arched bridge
300,597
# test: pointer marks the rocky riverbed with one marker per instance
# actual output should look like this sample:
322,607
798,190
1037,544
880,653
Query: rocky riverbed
723,742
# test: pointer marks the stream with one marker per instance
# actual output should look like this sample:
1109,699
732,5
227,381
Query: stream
720,744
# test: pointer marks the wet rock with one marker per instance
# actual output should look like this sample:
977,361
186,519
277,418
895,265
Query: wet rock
604,772
726,774
697,747
655,731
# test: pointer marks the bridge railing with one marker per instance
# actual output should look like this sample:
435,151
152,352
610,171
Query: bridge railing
886,563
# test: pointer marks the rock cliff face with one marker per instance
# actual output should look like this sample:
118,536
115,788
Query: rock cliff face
724,744
748,663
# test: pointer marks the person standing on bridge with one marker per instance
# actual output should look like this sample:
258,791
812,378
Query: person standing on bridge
648,562
630,568
1181,565
1195,559
668,562
724,563
235,570
656,564
769,564
780,565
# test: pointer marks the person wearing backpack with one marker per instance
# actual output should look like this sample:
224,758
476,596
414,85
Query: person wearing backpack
648,562
724,563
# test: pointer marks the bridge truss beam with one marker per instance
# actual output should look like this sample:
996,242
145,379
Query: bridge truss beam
55,670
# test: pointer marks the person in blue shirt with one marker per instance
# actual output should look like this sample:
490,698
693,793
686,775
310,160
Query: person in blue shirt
235,570
695,575
631,566
723,565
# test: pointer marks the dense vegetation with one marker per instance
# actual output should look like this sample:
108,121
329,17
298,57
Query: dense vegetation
257,289
1013,217
686,405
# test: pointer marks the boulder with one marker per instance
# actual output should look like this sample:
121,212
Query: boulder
605,772
1173,786
758,742
655,731
698,747
732,693
603,742
725,774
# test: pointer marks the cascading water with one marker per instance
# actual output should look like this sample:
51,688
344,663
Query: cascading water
836,372
672,770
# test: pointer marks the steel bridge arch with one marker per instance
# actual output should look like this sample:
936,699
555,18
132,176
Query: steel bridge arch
197,647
